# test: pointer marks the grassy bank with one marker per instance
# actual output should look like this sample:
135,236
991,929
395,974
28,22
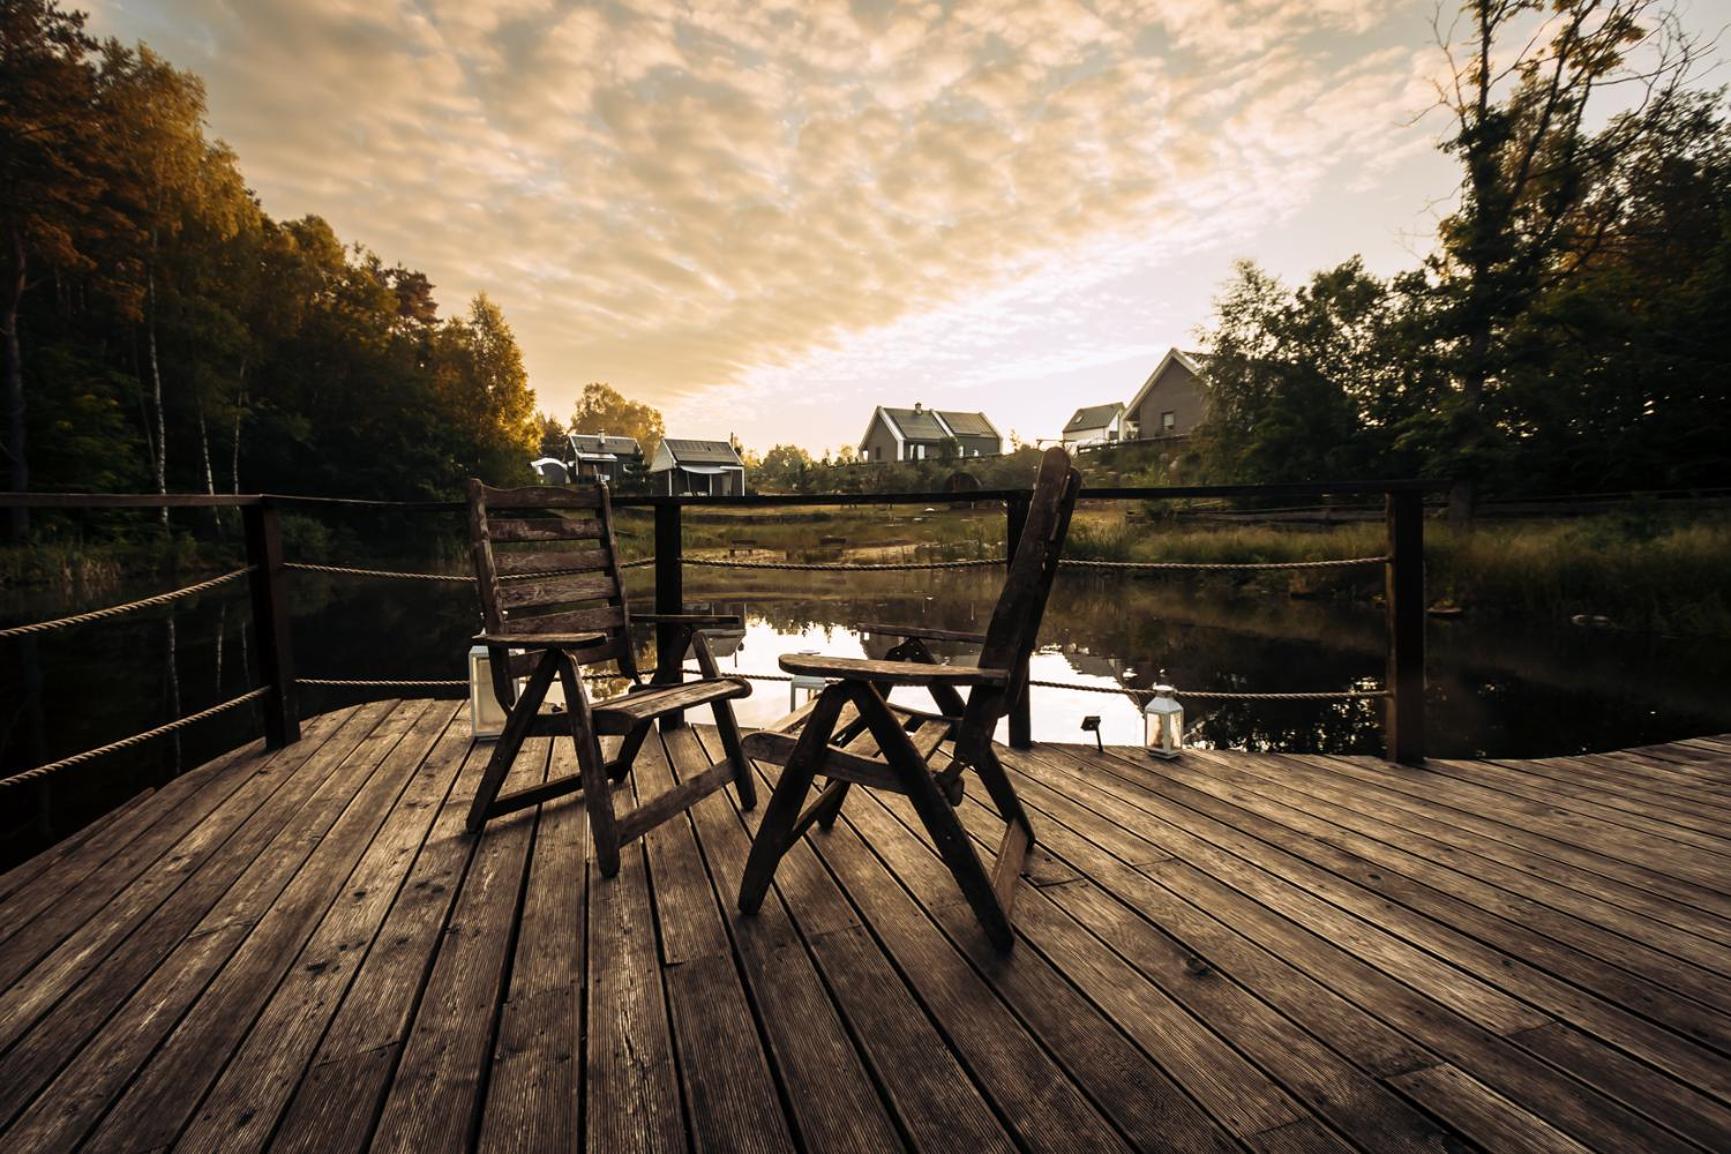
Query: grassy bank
1631,573
1639,571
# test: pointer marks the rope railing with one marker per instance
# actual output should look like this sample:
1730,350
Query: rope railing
119,610
1209,566
840,566
864,567
390,574
1195,694
42,771
360,683
410,575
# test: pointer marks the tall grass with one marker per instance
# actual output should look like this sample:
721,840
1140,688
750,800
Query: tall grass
1634,572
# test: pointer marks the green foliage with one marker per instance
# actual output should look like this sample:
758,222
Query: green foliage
602,409
188,337
1569,333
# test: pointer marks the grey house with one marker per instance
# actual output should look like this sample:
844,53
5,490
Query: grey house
683,468
605,458
1094,425
1172,401
920,434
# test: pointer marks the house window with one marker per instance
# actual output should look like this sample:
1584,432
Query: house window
919,452
1168,421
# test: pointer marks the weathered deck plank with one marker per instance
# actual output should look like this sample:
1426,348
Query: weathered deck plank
304,951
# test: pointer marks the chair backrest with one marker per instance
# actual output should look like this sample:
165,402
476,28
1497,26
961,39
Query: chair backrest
1015,624
546,562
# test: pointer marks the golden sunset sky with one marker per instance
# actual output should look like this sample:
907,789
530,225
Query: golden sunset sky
766,219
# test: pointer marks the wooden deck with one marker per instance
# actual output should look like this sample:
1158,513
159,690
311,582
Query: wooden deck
302,951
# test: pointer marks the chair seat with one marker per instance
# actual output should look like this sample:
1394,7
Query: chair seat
621,714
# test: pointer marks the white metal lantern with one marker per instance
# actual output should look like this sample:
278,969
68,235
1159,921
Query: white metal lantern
486,714
808,682
1163,718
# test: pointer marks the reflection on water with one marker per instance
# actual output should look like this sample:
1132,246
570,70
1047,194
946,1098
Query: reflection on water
1493,690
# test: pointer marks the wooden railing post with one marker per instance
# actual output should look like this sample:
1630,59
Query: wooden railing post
1015,520
270,621
669,598
1404,725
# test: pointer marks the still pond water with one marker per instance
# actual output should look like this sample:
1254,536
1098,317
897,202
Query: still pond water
1493,690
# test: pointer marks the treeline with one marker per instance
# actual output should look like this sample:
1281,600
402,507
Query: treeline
1571,332
162,332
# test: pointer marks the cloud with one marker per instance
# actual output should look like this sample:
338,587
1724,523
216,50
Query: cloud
682,199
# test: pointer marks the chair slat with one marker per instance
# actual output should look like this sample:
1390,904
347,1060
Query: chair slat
545,497
544,529
551,591
603,617
512,564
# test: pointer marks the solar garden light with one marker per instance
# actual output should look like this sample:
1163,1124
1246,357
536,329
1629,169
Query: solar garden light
1163,719
811,683
1091,724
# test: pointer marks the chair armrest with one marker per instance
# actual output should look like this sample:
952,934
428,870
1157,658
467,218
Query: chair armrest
694,619
541,640
892,672
922,633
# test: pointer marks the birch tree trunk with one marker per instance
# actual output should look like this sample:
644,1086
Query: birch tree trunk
161,462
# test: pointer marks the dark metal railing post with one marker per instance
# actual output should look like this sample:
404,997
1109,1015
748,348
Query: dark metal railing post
1404,725
270,620
669,598
1015,520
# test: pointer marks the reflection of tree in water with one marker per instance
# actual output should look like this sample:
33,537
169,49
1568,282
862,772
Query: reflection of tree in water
1288,726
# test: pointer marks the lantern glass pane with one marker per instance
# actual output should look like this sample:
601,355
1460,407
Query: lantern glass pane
486,715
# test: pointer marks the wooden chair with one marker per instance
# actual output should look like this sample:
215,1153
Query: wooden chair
550,589
850,734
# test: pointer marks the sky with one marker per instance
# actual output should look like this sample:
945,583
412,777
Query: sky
766,219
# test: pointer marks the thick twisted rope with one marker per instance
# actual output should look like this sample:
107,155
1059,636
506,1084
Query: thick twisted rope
129,607
403,575
42,771
1199,694
839,567
1223,565
393,574
354,683
1221,694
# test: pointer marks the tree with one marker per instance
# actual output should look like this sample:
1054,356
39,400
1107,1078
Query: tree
555,441
1540,189
784,469
1314,384
51,184
601,409
172,181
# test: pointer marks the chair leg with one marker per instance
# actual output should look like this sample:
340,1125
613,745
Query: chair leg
597,791
774,833
935,814
998,786
628,750
734,750
829,805
517,725
948,698
727,726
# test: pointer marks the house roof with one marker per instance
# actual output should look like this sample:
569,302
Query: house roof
915,424
592,444
936,425
1094,417
686,452
1197,363
968,424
